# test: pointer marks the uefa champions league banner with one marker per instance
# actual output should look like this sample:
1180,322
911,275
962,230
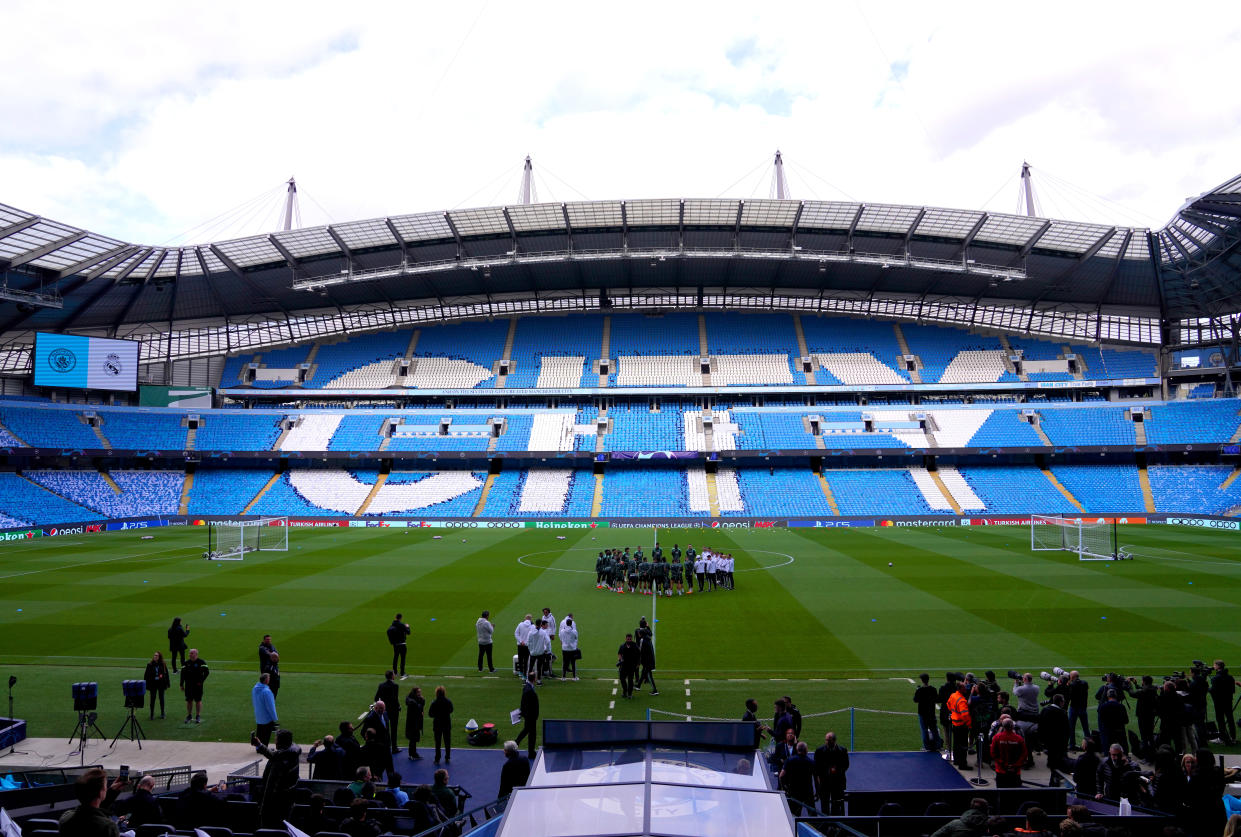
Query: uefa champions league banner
66,360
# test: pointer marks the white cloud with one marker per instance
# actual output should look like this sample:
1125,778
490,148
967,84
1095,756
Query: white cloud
144,121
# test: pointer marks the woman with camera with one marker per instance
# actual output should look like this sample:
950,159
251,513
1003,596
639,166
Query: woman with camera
156,677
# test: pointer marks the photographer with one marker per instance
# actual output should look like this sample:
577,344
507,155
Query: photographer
1079,696
1113,717
1171,710
1146,708
1027,695
1223,687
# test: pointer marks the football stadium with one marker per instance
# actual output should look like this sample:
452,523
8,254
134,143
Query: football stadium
802,449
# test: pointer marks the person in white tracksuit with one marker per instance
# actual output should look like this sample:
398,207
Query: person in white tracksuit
568,648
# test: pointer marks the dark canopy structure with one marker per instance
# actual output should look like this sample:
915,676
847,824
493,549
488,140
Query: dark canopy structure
968,267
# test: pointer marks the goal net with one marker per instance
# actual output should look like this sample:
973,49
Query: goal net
230,540
1091,541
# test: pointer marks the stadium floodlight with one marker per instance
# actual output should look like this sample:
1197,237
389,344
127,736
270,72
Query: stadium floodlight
230,540
1091,540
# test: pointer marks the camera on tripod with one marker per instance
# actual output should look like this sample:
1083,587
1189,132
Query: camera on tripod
135,693
85,697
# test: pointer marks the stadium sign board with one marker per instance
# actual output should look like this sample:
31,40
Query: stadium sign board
1204,523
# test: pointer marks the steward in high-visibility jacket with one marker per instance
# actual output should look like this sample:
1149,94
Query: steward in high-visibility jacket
959,709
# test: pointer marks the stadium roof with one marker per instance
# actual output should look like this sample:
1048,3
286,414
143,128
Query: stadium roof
57,277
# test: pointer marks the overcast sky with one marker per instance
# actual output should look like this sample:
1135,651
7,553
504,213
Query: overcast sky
148,121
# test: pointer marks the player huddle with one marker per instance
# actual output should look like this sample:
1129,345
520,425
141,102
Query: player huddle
659,575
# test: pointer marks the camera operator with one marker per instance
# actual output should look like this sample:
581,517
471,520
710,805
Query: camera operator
1223,687
1056,685
1122,685
1079,695
1027,695
1113,717
1199,689
1172,715
1147,709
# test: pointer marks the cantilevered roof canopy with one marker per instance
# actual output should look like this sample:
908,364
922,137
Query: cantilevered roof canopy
1189,269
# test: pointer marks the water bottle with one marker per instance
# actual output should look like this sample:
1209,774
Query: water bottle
1126,810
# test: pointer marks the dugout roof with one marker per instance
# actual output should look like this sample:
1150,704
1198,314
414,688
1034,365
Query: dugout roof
1191,268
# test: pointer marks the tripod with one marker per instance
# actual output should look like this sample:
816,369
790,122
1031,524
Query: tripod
135,729
13,747
81,732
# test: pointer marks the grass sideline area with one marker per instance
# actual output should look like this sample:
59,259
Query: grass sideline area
817,614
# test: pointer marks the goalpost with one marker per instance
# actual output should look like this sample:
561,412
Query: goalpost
1092,541
230,540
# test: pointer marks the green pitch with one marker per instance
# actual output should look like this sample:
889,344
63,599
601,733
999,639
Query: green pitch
817,614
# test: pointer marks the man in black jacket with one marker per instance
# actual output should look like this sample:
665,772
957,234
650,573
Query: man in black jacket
390,694
348,742
194,673
377,735
646,652
1111,782
1146,707
328,763
831,763
946,690
197,806
529,718
142,808
279,778
398,637
1079,699
516,769
1113,718
266,649
1223,687
925,696
1053,731
627,658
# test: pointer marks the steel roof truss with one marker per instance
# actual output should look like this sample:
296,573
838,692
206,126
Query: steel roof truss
294,264
564,210
18,226
39,252
512,231
913,225
400,240
969,237
240,274
344,248
98,258
1029,245
857,216
456,236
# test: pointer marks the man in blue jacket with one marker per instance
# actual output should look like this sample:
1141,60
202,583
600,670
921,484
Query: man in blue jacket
265,720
